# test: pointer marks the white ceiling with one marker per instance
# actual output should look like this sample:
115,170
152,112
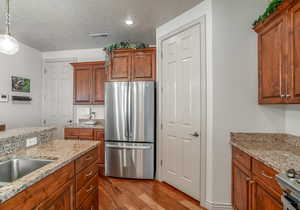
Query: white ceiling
65,24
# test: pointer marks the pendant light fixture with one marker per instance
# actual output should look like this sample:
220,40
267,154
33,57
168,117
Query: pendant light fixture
8,44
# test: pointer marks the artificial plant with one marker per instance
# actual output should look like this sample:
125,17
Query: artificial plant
270,9
121,45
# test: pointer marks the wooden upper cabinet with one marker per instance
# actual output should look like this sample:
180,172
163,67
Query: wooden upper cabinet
133,65
144,65
89,78
120,65
83,84
98,86
293,77
279,55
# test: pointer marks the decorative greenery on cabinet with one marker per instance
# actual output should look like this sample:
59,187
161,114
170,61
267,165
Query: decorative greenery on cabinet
270,9
122,45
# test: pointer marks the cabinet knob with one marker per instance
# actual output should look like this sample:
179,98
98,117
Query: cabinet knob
282,96
288,95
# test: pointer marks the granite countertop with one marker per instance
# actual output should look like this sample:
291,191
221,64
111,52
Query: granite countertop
62,152
17,132
278,151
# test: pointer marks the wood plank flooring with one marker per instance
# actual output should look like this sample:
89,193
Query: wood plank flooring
123,194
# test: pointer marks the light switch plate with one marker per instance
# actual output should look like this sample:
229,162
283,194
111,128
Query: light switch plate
4,98
31,142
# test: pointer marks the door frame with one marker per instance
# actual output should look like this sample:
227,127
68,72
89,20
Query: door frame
201,21
52,60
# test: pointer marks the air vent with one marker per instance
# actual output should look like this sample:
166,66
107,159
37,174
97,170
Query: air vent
101,35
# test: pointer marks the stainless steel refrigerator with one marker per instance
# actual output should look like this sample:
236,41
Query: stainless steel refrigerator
130,129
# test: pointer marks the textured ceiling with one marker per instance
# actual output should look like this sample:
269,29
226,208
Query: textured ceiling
65,24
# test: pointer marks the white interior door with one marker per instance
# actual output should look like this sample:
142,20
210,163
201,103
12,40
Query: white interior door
181,111
58,95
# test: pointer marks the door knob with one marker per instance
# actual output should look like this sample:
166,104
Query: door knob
195,134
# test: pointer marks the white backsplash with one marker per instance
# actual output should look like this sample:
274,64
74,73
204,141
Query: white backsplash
83,112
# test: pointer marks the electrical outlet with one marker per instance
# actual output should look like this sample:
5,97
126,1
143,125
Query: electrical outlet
31,142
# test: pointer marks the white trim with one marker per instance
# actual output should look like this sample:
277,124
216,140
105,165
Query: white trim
201,20
218,206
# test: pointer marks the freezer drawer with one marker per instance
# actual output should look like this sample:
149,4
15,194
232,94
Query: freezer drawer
129,160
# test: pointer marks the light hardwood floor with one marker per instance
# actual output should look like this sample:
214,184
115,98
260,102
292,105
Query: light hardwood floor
123,194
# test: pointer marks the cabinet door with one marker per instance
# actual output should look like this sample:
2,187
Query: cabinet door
99,136
241,189
272,65
120,67
62,199
293,79
98,84
143,65
83,84
263,200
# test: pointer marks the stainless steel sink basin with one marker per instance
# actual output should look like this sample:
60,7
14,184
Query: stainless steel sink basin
15,168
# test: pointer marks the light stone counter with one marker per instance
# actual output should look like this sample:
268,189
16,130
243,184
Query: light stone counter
61,151
278,151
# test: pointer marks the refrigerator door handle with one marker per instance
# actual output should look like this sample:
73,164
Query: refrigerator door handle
129,147
129,111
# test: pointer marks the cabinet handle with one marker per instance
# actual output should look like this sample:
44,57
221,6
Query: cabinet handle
88,158
89,174
282,96
90,189
288,95
265,175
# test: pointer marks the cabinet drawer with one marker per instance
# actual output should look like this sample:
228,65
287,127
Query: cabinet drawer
241,157
86,132
266,175
86,190
72,132
91,203
85,175
86,160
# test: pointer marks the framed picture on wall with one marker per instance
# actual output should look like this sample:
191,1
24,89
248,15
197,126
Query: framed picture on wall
20,84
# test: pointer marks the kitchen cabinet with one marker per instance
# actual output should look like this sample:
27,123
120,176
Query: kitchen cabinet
79,133
99,136
263,200
60,190
61,199
133,65
241,189
2,127
278,53
92,134
89,78
254,186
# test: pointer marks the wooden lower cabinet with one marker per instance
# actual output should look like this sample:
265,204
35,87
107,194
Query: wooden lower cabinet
63,199
66,189
263,200
241,189
254,186
92,134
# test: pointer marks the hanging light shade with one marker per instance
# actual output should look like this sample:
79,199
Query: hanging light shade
8,44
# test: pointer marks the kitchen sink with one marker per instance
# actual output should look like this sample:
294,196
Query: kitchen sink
15,168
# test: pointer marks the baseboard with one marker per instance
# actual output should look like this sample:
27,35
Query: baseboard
217,206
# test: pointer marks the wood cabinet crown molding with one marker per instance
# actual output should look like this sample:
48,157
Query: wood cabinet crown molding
279,55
